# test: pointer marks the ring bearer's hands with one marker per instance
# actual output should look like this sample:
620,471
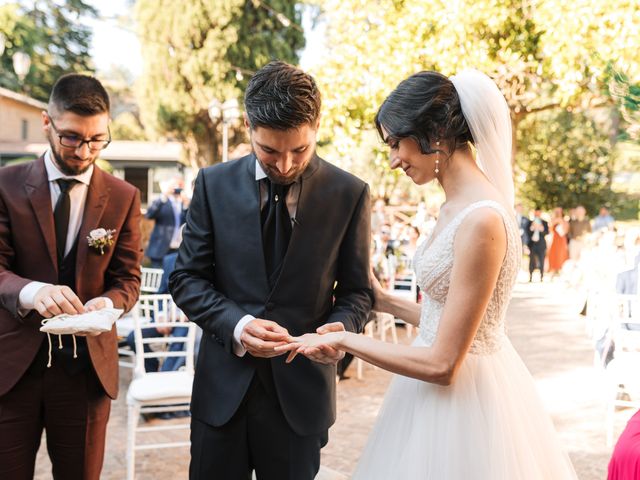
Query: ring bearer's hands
93,305
261,338
52,300
319,347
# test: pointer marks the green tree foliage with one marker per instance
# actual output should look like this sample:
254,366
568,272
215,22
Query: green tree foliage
125,113
127,127
199,50
565,160
544,55
626,96
52,33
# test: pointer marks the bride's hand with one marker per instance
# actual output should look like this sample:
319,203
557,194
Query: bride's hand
321,348
378,291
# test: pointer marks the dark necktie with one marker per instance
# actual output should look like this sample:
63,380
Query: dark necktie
276,229
61,214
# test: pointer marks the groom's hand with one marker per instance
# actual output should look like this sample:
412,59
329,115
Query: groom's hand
260,337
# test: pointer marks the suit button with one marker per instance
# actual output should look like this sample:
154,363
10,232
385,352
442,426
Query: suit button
270,306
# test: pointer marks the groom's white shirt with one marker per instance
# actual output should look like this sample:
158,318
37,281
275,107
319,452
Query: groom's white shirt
292,207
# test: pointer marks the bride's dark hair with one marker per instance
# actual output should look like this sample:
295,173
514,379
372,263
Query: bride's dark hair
426,108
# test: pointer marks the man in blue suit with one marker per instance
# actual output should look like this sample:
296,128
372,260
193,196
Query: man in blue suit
169,212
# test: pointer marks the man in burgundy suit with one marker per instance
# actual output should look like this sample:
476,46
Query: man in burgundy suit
48,208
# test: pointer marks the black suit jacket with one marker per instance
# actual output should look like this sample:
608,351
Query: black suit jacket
541,244
220,276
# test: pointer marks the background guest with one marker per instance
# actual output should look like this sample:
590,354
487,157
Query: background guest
536,230
579,228
625,460
559,250
604,220
169,213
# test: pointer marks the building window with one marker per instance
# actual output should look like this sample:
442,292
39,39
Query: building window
25,130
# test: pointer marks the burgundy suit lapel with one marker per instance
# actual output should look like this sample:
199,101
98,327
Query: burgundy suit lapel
39,195
97,199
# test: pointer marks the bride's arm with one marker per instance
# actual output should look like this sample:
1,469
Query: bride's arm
387,302
479,251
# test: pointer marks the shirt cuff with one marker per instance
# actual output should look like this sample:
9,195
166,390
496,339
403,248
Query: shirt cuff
26,297
238,348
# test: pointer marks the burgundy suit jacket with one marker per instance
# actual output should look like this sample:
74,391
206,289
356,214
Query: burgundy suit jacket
28,253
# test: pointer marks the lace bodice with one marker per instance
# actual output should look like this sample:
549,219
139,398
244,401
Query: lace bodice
433,263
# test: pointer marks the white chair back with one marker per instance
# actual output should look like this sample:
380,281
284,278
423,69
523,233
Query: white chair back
622,371
626,326
163,391
150,279
159,310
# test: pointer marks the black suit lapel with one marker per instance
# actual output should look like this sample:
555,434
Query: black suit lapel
250,224
301,239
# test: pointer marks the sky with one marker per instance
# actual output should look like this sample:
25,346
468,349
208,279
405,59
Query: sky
113,45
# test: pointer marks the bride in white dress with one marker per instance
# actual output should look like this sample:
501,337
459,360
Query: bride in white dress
463,405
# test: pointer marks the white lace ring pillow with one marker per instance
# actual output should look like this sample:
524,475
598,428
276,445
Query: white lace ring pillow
98,321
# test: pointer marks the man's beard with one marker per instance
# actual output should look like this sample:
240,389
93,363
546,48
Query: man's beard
64,167
276,177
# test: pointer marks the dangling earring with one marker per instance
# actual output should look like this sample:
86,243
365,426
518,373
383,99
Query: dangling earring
437,159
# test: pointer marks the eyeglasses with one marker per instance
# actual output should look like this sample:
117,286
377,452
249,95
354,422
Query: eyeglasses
74,141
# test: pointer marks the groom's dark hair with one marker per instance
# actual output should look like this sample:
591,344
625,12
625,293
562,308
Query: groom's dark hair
281,96
426,108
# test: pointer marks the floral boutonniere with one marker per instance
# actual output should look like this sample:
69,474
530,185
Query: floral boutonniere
100,238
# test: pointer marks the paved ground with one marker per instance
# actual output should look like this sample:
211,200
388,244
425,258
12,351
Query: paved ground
545,330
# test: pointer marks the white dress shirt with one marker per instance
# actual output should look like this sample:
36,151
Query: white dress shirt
78,197
293,195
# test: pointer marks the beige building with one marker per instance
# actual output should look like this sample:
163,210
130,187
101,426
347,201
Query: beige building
143,164
20,118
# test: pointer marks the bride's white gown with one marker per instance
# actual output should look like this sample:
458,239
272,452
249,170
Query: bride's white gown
489,424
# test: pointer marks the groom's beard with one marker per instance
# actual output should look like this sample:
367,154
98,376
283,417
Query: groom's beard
294,173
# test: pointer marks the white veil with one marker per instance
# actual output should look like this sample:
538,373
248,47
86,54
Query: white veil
487,115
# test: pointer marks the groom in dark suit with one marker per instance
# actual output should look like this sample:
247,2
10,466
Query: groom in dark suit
48,208
276,244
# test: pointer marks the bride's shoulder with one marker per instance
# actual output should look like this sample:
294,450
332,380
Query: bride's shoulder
484,223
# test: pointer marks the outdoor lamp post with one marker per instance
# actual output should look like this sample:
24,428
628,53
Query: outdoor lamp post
228,112
21,64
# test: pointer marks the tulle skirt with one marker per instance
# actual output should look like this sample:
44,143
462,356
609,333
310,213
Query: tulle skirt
488,425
